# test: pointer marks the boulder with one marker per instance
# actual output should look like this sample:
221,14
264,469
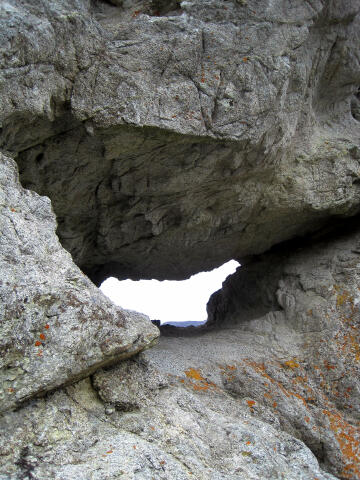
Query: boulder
55,325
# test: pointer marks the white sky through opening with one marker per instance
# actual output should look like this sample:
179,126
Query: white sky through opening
169,300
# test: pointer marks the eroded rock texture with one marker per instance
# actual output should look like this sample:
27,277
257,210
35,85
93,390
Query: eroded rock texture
169,137
300,314
55,325
263,95
262,395
180,434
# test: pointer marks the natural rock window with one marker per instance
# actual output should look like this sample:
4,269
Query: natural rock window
181,303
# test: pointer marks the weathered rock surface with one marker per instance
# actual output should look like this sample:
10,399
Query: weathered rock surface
264,395
186,431
55,325
296,321
172,136
262,98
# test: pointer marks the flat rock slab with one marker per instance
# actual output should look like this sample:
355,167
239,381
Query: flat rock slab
55,325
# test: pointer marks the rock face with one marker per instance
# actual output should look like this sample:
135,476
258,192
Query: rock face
55,325
169,137
266,393
208,129
182,433
300,313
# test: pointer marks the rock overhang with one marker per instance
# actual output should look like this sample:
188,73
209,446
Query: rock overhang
170,144
142,202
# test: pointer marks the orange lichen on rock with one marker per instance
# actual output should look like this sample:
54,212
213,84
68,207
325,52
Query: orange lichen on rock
200,382
352,344
231,367
193,373
328,366
292,364
260,368
228,371
226,368
300,397
348,438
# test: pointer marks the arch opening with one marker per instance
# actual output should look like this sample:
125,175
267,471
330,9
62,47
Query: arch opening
178,303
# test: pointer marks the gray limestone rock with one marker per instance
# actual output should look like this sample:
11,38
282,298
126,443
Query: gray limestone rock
270,391
181,434
170,137
298,309
129,385
186,133
55,325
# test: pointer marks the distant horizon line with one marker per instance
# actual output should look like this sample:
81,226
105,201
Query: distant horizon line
178,323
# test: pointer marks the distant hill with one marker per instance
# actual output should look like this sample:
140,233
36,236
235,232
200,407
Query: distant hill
184,324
